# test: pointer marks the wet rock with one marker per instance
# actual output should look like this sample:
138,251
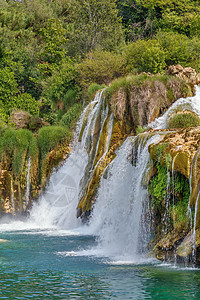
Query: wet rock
119,103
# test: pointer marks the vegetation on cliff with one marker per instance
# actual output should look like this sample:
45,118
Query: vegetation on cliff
55,55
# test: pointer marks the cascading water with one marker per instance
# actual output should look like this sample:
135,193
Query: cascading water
117,214
191,103
57,206
120,217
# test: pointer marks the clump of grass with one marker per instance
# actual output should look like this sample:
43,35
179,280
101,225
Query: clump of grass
93,88
16,144
70,97
139,129
69,119
184,120
50,136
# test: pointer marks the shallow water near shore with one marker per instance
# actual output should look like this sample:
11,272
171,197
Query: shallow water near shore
51,264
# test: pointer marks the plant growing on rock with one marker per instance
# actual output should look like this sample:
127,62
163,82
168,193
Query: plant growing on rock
49,137
183,120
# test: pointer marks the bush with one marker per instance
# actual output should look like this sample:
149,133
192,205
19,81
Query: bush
184,120
146,56
70,97
27,103
49,137
71,116
61,86
100,67
175,46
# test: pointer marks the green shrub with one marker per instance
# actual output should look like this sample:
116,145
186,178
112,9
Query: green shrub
184,120
28,103
100,67
146,56
175,47
61,85
93,88
71,116
70,97
49,137
158,185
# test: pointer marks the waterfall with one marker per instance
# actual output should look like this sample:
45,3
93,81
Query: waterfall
191,103
57,205
121,215
118,211
28,184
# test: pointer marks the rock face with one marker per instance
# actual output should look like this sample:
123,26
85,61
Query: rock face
22,119
188,74
141,102
137,105
178,152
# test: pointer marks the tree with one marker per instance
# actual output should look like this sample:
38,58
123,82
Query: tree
93,24
138,21
54,37
8,89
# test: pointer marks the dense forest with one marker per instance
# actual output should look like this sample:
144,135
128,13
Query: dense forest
54,55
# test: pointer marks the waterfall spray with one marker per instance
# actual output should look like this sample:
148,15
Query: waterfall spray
28,184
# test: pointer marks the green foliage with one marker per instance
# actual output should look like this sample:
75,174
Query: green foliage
138,21
126,82
17,144
71,116
47,111
59,87
182,188
175,47
100,67
139,129
135,80
184,120
26,102
54,38
49,137
70,97
94,25
93,88
176,189
146,56
8,88
158,185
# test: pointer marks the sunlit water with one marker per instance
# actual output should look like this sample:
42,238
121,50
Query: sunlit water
54,264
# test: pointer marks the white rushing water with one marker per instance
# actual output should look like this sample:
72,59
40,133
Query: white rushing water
56,207
121,197
189,103
119,219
